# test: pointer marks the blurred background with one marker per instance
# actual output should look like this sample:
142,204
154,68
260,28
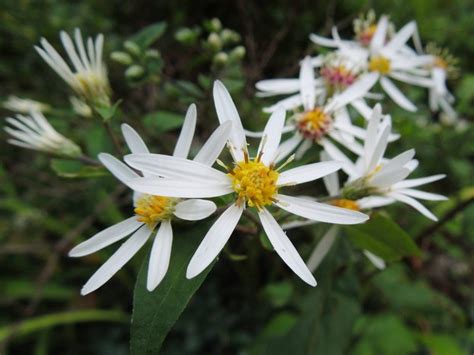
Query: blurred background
249,305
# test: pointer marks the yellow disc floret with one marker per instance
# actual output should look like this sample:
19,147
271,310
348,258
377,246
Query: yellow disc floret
380,64
313,124
254,182
151,209
344,203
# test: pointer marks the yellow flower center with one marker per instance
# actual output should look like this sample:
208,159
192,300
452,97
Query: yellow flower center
151,209
441,63
380,64
92,87
254,182
344,203
314,124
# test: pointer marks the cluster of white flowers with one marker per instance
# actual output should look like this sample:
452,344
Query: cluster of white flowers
170,187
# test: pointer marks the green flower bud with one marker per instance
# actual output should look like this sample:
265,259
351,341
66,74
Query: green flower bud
134,72
214,25
132,47
229,36
221,58
121,57
152,53
237,53
214,41
186,35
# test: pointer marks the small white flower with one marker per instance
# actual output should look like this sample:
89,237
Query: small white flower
36,133
319,121
150,210
20,105
373,175
389,58
88,77
255,182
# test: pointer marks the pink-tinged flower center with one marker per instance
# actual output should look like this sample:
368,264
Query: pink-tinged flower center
365,36
313,124
338,76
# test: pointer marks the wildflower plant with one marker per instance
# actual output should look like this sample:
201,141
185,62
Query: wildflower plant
328,155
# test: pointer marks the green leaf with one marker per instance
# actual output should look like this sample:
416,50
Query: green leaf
279,293
107,112
51,320
163,121
154,313
74,169
383,237
149,34
442,344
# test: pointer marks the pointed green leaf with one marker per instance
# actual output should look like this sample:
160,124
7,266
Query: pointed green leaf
149,34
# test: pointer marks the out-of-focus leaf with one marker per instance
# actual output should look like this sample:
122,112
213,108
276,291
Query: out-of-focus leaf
154,313
51,320
74,169
278,293
23,289
149,34
190,88
163,121
383,237
442,344
107,112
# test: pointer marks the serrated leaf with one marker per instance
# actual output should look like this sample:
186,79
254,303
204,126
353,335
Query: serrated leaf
75,170
154,313
163,121
149,34
383,237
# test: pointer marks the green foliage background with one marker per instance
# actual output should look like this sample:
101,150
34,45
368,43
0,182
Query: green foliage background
420,305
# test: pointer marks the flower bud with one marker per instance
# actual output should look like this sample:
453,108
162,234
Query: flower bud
134,72
237,53
221,58
214,41
121,57
132,47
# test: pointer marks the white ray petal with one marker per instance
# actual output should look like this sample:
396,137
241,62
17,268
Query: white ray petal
412,79
284,248
211,150
378,40
307,90
418,182
401,37
123,254
117,168
415,204
308,172
194,209
335,153
134,142
106,237
160,255
226,111
369,202
323,41
278,86
289,103
355,91
214,241
272,136
253,134
388,178
422,195
319,211
398,162
362,108
181,150
378,151
377,261
322,248
179,188
175,167
396,95
288,147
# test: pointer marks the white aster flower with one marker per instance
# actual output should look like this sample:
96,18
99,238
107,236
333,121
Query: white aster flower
151,211
20,105
320,121
36,133
389,58
255,182
88,77
374,175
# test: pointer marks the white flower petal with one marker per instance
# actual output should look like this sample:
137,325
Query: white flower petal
418,182
412,79
214,241
335,153
279,86
422,195
289,103
226,111
362,108
185,138
284,248
117,168
253,134
377,261
123,254
389,178
398,162
106,237
355,91
396,95
401,37
322,248
309,172
322,41
160,255
413,203
319,211
307,90
378,151
194,210
378,39
331,181
271,136
287,147
134,142
211,150
369,202
179,188
175,167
